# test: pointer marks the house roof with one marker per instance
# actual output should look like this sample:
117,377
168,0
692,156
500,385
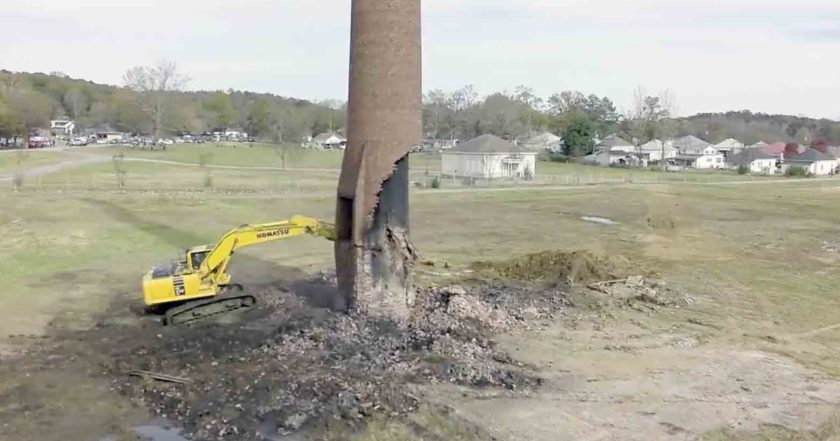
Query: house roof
690,142
614,141
325,136
777,148
747,156
730,143
485,144
544,138
810,156
656,146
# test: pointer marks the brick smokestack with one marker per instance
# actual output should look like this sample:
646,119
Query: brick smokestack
373,254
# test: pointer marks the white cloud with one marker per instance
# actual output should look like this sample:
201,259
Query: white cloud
716,55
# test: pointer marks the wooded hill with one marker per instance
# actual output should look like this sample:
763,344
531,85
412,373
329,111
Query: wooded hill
30,100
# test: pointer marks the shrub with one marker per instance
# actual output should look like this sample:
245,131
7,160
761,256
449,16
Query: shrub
17,181
119,169
528,174
743,169
435,182
796,170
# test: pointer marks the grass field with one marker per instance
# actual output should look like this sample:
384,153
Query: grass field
760,259
13,160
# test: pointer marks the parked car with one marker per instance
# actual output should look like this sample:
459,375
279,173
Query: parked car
37,142
78,142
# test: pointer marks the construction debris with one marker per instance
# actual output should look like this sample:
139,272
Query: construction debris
293,368
159,377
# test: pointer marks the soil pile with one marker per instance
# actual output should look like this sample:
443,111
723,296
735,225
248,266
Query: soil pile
556,267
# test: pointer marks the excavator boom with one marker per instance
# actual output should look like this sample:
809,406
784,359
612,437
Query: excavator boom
200,285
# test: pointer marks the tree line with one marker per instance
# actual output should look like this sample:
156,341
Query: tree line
153,100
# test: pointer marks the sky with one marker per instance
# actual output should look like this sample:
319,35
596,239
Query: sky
774,56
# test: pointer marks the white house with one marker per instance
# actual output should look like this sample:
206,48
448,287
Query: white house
545,141
813,161
755,160
329,140
615,143
488,157
730,145
62,127
656,149
692,145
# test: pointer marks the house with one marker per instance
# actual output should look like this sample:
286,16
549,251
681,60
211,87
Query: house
729,146
696,153
617,157
105,137
692,145
61,127
655,150
778,149
543,142
615,143
813,161
434,145
488,157
329,141
755,160
758,145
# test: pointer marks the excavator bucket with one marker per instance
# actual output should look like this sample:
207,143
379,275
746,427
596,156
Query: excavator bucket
373,252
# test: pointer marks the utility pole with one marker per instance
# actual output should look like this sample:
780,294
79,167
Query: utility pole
373,252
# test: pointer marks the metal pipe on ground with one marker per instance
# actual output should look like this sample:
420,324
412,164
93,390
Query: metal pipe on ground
373,252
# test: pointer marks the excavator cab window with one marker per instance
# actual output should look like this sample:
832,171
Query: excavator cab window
197,259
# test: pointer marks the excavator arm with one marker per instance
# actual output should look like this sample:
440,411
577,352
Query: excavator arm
216,261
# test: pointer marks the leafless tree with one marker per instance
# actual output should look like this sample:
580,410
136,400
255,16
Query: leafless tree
651,117
75,102
155,86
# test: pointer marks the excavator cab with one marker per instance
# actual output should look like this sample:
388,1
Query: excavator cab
196,256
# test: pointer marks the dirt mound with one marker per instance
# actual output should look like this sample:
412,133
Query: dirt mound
293,367
573,268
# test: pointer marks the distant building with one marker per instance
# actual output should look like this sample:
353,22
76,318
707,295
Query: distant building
488,157
434,145
692,145
543,142
655,150
755,160
813,161
758,145
615,143
729,146
329,141
61,127
617,157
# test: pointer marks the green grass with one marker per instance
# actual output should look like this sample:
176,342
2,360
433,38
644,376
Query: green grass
752,252
242,155
13,160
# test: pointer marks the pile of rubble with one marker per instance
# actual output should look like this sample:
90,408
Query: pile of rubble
298,368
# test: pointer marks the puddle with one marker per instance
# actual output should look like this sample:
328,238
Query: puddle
600,220
153,433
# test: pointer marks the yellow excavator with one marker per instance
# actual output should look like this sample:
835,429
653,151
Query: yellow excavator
198,285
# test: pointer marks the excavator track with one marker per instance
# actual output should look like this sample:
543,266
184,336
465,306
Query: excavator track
231,299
